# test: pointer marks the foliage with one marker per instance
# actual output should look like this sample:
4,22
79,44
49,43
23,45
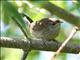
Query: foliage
15,9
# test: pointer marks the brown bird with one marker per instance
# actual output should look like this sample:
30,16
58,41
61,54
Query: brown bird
46,29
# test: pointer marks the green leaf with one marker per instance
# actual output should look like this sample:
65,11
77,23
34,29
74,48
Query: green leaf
11,11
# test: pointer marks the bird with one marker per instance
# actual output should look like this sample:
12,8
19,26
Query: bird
46,28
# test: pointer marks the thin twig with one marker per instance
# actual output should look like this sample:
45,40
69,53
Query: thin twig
30,20
26,51
64,43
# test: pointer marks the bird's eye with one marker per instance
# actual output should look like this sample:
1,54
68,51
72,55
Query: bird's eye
57,21
53,23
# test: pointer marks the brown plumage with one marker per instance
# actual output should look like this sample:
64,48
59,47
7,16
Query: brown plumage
45,28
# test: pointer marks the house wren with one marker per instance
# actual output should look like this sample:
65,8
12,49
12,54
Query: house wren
45,29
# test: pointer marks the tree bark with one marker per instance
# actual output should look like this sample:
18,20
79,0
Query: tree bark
38,45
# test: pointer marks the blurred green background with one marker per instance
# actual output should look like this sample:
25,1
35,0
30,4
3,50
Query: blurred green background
10,29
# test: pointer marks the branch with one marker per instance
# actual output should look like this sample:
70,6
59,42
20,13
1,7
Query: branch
67,16
37,45
74,30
